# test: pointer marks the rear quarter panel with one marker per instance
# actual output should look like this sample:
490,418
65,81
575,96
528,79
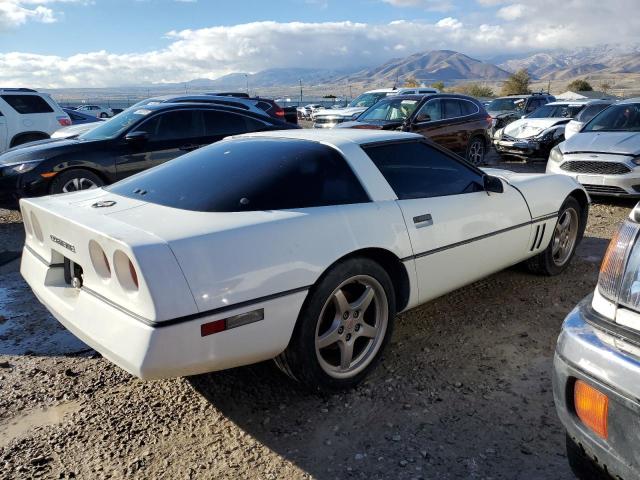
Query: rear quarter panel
271,252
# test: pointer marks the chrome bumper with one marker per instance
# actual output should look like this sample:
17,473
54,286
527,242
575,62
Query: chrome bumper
587,352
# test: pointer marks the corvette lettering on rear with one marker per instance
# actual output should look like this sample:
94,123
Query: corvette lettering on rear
62,243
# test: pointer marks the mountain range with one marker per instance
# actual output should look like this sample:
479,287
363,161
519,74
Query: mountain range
443,65
567,64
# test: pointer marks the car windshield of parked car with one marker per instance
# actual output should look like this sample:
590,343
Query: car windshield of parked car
248,175
556,111
591,111
390,110
506,104
622,118
367,99
118,124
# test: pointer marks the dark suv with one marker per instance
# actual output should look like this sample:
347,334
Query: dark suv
141,137
504,110
456,122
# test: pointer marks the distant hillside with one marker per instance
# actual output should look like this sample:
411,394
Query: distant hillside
272,77
566,64
445,65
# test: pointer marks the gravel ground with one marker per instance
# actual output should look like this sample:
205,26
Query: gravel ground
464,391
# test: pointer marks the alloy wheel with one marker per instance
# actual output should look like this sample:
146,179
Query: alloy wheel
352,326
476,152
78,183
564,237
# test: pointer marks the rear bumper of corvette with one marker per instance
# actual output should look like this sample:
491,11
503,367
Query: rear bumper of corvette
167,349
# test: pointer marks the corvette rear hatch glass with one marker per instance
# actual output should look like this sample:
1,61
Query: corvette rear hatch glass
248,175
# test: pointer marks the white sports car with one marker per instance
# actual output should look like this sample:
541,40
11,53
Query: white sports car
299,245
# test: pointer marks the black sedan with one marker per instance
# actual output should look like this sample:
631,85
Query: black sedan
135,140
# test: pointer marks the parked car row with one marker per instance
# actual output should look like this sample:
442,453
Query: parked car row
139,138
220,256
535,134
604,155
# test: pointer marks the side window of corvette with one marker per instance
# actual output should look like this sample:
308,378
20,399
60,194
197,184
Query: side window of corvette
418,170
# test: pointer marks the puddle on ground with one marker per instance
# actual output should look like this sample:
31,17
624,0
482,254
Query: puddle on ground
18,426
27,327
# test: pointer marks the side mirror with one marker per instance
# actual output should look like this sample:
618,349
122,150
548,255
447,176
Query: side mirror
492,184
136,137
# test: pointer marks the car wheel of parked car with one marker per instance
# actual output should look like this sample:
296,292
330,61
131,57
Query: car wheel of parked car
343,327
566,236
476,151
583,467
104,115
74,180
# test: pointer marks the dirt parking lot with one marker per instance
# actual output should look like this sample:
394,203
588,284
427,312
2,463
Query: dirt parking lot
464,391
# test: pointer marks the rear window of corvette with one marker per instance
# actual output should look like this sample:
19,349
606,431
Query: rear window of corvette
248,175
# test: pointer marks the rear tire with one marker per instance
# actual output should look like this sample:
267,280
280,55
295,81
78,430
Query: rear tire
583,467
104,115
75,180
343,327
476,151
566,237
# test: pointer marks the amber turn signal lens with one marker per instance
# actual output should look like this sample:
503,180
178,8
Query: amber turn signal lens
592,407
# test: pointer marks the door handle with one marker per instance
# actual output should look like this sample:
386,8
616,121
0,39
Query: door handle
423,220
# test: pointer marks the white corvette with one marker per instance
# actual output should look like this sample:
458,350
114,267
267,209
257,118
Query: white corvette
298,245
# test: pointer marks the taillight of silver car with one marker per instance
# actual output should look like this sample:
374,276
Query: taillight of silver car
619,263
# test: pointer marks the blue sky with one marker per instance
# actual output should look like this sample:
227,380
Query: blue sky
52,43
134,25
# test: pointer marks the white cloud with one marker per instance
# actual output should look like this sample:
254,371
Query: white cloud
215,51
14,13
513,12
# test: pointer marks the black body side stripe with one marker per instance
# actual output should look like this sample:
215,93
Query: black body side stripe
480,237
199,315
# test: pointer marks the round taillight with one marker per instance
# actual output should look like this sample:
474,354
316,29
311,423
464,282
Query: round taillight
37,230
125,271
99,260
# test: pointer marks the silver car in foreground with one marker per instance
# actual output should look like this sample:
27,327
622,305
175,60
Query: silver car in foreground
596,377
605,155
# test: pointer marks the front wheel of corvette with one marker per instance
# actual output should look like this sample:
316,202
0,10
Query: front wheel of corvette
343,327
566,236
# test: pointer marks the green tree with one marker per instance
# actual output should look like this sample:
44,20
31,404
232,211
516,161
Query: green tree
580,85
411,82
517,83
474,90
439,85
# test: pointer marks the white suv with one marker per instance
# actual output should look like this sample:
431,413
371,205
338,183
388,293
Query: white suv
96,111
27,116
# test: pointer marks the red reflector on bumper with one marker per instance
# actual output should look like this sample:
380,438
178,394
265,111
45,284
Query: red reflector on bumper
213,327
232,322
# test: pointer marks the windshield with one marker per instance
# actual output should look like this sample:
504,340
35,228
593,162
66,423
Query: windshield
390,110
367,99
116,125
508,104
591,111
556,111
616,118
